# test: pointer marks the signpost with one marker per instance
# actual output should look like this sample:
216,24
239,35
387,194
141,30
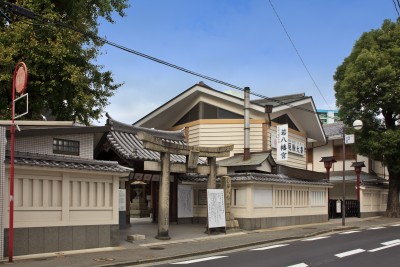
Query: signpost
216,208
20,80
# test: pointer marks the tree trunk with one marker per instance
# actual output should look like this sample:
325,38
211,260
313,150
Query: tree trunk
393,204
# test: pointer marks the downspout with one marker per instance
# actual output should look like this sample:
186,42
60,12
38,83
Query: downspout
246,152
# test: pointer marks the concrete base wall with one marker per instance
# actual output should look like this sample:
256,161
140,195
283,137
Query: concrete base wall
269,222
53,239
371,214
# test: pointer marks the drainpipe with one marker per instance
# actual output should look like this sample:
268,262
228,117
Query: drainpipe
246,152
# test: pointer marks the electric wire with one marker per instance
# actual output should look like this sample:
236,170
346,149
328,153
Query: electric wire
298,53
92,36
395,6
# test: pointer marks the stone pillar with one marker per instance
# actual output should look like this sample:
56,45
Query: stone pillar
163,201
231,223
212,178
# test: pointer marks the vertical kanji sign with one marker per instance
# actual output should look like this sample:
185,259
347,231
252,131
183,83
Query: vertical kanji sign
282,148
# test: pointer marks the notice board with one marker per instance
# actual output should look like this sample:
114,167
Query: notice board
216,208
185,201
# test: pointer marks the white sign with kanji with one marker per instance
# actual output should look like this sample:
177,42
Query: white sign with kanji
282,142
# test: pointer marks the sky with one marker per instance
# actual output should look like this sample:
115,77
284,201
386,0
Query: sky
241,42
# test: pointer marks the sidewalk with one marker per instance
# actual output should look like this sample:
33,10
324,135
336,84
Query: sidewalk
186,240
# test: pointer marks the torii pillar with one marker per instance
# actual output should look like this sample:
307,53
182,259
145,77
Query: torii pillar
193,153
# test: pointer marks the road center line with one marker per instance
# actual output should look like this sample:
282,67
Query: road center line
299,265
349,232
349,253
270,247
200,260
388,244
315,238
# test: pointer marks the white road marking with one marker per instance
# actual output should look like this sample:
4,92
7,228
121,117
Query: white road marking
376,228
395,225
270,247
315,238
299,265
349,253
200,260
388,244
349,232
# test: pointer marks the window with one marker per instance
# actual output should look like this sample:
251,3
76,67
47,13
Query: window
338,153
65,147
206,111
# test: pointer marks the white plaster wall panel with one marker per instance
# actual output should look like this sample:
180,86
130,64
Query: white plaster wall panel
44,198
44,144
373,200
319,152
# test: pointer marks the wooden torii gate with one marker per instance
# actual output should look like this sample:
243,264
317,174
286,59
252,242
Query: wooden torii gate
192,154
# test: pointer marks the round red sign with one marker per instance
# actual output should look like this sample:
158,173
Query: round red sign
20,77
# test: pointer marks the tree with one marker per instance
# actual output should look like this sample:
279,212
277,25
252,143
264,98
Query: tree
63,77
368,88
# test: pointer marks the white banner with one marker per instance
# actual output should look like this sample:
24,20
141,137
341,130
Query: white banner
282,147
295,147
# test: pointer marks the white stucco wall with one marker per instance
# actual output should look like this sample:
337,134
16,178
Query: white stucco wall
62,197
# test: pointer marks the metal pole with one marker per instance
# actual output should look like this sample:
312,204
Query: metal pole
11,216
344,184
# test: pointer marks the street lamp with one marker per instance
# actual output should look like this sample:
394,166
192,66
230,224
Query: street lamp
357,125
357,168
328,161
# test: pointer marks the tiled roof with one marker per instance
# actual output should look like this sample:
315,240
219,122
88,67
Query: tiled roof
256,159
123,138
333,129
300,173
257,177
53,161
365,178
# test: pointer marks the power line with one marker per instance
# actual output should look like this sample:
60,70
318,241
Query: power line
395,6
31,15
298,54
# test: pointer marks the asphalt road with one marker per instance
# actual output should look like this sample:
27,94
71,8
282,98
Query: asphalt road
368,247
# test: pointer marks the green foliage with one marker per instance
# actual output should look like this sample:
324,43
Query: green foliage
63,77
368,88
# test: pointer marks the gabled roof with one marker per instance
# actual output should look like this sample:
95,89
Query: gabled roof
53,161
124,141
301,108
257,177
280,100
